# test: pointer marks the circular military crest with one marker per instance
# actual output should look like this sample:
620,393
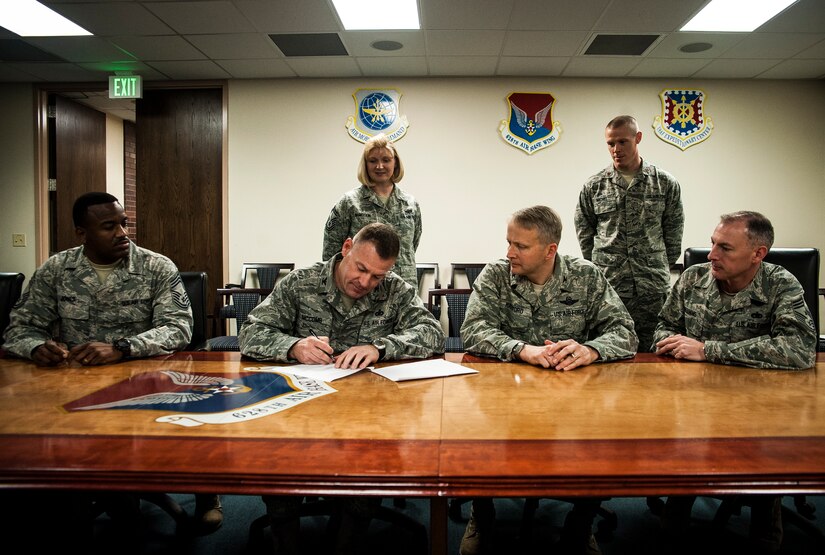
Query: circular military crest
377,111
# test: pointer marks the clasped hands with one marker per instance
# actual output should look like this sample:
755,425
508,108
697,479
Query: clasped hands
92,353
564,355
317,350
681,346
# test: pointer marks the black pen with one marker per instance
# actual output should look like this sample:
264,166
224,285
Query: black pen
332,358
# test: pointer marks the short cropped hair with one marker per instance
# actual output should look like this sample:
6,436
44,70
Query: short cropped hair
83,202
379,141
623,121
383,237
758,228
544,219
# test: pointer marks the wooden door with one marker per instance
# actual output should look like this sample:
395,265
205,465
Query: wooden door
79,164
179,142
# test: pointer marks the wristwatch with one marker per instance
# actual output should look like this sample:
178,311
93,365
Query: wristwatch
123,346
517,348
382,348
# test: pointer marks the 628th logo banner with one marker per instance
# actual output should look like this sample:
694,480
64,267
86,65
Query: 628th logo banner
377,111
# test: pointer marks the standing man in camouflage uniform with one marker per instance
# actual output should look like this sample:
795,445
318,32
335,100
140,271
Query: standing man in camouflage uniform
548,310
629,221
105,301
353,311
378,199
737,309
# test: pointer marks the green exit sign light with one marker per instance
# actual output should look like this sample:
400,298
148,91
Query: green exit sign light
125,86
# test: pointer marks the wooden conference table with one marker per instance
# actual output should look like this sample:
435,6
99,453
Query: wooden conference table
647,426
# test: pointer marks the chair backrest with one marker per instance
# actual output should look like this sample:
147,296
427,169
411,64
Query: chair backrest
803,263
267,273
11,285
471,270
456,300
244,300
422,268
196,285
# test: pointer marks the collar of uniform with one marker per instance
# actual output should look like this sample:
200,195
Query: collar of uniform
754,291
557,279
644,168
370,195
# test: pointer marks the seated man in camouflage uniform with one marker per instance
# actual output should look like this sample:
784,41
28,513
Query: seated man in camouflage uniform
737,309
362,313
548,310
102,302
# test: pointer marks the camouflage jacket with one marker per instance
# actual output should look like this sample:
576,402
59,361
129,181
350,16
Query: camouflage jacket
577,303
360,207
633,233
766,325
307,301
143,300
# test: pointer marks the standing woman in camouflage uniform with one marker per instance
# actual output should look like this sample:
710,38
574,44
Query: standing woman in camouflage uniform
378,199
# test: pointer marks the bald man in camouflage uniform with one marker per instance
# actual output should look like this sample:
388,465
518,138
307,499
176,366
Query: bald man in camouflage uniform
552,311
629,221
737,309
351,311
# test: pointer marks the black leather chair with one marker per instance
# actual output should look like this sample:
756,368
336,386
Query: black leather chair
196,284
803,263
456,300
242,302
471,270
11,285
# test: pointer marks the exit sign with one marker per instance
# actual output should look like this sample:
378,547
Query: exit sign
125,86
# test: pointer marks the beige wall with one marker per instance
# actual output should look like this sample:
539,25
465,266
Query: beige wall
114,156
290,159
17,177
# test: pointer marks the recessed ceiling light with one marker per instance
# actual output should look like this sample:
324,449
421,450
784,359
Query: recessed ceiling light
361,15
29,18
693,47
387,45
735,15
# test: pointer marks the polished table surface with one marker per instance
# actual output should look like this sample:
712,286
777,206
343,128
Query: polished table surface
646,426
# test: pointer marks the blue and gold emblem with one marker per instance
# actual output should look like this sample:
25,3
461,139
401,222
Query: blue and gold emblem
531,126
377,111
683,122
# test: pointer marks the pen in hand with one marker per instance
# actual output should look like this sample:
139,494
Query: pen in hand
331,358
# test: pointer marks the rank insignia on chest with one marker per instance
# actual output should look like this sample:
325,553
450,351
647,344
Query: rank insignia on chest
568,301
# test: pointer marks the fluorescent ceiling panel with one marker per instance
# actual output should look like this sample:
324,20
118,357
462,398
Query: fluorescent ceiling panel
362,15
735,15
28,18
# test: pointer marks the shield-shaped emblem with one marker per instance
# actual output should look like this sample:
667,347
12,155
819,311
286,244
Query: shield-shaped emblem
531,126
683,122
377,111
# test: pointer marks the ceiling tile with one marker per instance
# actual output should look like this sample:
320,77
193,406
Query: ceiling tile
15,73
305,16
816,51
773,45
544,43
358,42
81,49
256,69
159,48
638,16
393,67
669,46
806,16
662,67
572,15
536,66
56,72
235,46
465,14
734,69
795,69
113,18
324,66
195,69
600,66
191,18
464,43
148,73
463,65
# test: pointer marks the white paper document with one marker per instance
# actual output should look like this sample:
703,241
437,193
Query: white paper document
434,368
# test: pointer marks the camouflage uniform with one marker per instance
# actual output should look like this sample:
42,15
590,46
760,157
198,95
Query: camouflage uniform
360,207
307,301
143,300
766,325
577,303
633,233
